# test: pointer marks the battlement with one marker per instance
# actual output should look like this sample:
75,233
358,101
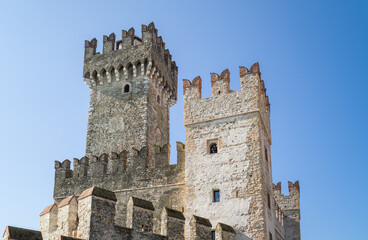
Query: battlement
225,102
129,58
290,201
294,188
74,220
116,171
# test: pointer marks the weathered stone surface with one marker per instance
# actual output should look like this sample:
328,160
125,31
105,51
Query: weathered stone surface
172,224
235,121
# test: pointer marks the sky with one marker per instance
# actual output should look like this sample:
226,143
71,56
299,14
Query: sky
313,59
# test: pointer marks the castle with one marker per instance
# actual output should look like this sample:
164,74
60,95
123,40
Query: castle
125,188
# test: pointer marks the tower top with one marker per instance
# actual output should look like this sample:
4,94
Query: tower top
130,57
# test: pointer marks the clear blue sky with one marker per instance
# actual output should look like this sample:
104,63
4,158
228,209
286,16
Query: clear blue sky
313,58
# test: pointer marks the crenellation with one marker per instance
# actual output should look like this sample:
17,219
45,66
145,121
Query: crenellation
90,48
220,84
200,228
128,38
49,220
192,89
125,168
140,215
224,232
67,216
108,43
172,224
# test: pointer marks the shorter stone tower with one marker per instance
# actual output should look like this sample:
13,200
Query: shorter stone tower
228,163
133,84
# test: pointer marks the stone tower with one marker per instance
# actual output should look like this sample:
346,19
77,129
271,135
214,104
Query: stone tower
228,163
133,83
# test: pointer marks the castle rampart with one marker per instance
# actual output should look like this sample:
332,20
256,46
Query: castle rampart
96,210
126,174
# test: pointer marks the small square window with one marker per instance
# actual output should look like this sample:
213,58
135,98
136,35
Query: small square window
212,146
216,195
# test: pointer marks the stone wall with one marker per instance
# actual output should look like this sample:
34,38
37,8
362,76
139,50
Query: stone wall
96,211
163,184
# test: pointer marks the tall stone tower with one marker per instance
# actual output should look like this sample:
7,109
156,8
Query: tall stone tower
133,83
228,163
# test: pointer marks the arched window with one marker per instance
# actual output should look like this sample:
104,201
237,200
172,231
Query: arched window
126,88
130,70
213,148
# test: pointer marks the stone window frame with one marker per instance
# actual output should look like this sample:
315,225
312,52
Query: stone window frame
214,191
124,85
212,142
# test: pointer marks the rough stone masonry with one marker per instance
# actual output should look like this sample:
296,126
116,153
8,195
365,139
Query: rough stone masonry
125,187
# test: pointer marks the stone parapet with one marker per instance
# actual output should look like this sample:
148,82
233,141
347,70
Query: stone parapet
224,102
118,171
15,233
96,211
131,57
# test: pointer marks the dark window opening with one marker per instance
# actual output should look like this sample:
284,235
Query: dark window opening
219,92
213,235
126,88
213,148
158,99
269,200
270,236
266,155
216,195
